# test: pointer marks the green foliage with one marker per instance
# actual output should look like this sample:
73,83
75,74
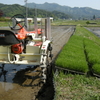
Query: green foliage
1,13
3,19
77,22
82,49
87,22
72,56
93,55
96,68
92,51
76,87
61,15
10,10
94,17
76,12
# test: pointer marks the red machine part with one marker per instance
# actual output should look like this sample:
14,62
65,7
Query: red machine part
17,48
39,31
22,34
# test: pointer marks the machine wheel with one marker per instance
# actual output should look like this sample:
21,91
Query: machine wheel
17,24
47,69
50,51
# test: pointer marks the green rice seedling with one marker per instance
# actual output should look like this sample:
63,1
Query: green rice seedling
92,51
83,46
93,59
72,56
96,68
79,87
87,34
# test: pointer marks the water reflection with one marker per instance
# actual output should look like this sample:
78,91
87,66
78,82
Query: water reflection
96,31
10,74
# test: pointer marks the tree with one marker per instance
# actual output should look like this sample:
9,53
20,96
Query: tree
1,13
94,17
87,22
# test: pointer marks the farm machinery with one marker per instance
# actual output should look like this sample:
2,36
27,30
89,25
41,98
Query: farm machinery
19,46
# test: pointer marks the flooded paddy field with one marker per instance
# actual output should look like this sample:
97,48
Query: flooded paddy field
22,82
95,30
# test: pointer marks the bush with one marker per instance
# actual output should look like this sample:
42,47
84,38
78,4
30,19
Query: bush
87,22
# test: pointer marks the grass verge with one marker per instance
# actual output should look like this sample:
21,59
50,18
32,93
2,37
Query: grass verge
76,87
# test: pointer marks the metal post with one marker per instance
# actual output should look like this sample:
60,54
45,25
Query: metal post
48,28
35,12
26,21
13,22
35,24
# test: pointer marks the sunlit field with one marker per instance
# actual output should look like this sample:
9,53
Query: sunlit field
77,22
74,86
65,22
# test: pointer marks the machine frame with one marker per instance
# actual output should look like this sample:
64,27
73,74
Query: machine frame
19,46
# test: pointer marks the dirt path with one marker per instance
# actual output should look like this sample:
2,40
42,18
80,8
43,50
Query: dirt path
20,82
61,35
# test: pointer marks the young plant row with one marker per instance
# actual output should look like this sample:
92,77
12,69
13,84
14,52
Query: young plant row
82,49
93,55
72,56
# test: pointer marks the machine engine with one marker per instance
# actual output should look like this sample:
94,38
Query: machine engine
17,48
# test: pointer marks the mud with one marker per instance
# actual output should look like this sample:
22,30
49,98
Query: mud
19,82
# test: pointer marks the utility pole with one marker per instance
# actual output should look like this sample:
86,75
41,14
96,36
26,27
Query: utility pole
26,21
35,11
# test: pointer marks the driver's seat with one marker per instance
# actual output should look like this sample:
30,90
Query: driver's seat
7,37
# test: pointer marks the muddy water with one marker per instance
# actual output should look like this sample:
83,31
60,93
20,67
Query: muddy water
95,30
20,82
16,82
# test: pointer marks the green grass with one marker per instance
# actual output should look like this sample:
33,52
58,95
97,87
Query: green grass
77,22
83,46
2,23
76,87
66,22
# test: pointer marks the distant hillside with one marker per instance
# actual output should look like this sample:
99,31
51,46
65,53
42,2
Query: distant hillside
50,10
76,12
10,10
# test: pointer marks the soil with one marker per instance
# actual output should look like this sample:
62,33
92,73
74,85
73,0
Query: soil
19,82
